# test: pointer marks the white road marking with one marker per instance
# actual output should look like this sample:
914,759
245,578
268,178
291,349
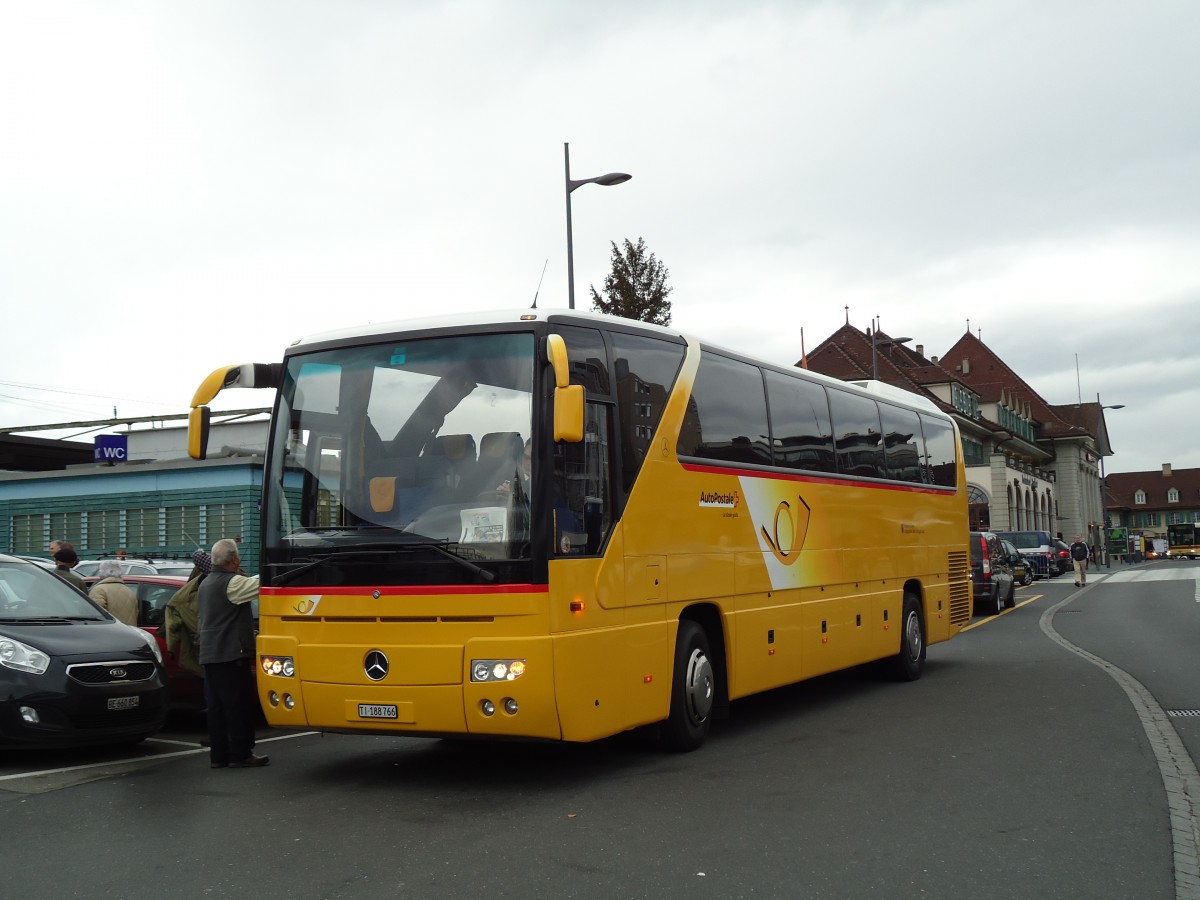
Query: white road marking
1159,573
140,759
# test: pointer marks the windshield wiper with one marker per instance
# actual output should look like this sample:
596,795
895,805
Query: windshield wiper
437,547
465,563
290,574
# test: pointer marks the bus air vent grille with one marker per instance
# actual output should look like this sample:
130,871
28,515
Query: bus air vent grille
959,566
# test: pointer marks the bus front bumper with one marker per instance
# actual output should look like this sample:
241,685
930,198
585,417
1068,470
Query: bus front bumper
500,687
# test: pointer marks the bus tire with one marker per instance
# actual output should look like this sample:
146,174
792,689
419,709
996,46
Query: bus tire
693,690
908,663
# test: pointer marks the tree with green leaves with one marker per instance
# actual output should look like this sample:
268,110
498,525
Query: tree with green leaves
636,288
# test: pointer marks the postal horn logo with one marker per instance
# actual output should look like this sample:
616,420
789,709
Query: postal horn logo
788,530
305,606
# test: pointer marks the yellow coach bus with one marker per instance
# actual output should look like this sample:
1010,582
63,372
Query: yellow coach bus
558,525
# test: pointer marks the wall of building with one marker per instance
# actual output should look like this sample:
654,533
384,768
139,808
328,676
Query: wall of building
165,508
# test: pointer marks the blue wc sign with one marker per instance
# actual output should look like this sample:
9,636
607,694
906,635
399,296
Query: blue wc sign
111,448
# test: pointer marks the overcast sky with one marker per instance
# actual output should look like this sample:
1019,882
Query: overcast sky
186,185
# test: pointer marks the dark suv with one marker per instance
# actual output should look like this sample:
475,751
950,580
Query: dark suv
1037,547
992,584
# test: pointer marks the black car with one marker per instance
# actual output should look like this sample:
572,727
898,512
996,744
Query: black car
992,585
71,674
1022,569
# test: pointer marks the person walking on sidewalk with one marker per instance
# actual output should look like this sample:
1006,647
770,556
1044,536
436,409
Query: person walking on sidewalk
1079,556
227,654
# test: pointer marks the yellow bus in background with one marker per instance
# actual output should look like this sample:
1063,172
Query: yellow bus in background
557,525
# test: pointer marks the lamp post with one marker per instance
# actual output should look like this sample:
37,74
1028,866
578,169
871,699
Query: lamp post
607,181
1104,489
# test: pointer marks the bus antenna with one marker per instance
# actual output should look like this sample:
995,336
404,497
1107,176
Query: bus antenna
539,287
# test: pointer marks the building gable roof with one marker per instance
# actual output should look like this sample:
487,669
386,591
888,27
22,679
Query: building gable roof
847,354
1122,488
994,382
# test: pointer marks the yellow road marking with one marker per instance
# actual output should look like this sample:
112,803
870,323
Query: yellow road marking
1005,612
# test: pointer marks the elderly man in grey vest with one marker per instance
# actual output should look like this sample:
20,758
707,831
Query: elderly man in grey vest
227,654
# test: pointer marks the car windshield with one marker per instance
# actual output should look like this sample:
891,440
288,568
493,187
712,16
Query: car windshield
28,591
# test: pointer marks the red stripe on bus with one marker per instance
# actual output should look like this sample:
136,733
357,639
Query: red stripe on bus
394,590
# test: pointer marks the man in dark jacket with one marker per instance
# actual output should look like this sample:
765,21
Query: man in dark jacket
227,654
1079,556
65,559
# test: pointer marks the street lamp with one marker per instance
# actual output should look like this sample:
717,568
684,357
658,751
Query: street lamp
885,342
607,181
1104,490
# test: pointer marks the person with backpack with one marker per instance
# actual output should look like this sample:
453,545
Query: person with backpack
1079,555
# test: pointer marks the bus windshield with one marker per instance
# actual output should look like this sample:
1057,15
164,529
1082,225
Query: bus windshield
402,462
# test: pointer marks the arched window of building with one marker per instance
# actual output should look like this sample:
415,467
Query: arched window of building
979,508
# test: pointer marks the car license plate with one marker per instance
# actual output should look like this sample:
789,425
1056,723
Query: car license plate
123,702
377,711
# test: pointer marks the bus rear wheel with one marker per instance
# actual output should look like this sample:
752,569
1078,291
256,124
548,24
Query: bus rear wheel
693,690
910,661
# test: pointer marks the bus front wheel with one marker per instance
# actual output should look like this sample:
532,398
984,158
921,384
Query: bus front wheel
693,689
908,663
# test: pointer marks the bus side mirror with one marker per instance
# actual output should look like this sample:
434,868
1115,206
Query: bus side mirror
568,413
568,398
198,421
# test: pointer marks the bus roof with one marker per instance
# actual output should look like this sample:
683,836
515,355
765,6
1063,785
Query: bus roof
372,330
380,330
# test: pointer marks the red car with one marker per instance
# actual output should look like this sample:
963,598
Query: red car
153,593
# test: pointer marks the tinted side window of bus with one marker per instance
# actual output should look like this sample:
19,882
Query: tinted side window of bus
939,465
902,442
727,417
644,370
800,427
586,358
856,434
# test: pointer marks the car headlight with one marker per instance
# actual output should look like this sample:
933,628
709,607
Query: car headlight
22,657
149,639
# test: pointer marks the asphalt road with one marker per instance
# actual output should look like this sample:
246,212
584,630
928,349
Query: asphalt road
1020,765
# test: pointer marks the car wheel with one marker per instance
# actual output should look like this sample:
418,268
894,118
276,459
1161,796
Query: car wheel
693,690
1010,599
1027,578
910,661
998,605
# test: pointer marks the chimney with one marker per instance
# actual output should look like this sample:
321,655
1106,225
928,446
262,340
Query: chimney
920,348
1166,470
933,359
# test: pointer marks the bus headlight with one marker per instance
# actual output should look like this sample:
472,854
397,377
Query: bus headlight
497,669
282,666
